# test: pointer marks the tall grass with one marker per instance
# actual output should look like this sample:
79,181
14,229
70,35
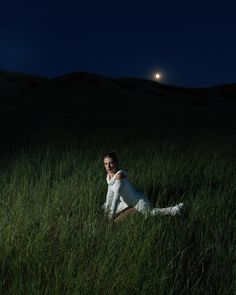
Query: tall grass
54,240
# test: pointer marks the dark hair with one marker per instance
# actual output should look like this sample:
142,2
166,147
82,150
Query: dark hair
112,155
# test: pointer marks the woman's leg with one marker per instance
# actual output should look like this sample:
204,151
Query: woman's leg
125,213
175,210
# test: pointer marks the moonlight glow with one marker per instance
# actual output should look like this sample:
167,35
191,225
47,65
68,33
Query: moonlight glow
158,76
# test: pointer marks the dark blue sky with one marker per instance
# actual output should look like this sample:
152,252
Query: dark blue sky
190,44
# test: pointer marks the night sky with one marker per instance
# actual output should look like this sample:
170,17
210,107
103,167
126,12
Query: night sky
189,44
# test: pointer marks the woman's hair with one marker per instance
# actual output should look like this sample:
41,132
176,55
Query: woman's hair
112,155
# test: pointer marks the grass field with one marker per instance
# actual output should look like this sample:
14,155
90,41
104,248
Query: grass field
54,240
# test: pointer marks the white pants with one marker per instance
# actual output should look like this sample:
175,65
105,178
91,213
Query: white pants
144,207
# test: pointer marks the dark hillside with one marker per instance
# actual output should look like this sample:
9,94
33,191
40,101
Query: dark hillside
85,101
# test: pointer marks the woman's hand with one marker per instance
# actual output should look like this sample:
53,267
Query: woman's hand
110,217
103,207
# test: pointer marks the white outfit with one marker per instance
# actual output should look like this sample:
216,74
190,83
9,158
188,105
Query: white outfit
121,194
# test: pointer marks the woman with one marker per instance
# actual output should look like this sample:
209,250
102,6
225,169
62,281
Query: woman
122,198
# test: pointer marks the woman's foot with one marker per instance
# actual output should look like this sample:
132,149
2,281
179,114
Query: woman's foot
180,208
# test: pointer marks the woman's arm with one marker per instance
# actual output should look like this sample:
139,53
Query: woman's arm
106,206
116,189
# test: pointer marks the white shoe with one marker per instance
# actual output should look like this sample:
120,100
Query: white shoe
180,208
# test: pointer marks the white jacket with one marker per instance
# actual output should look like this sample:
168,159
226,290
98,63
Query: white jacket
121,194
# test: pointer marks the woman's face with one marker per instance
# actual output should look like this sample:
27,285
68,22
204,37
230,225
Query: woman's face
110,165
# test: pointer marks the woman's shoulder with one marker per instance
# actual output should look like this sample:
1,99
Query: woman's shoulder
121,174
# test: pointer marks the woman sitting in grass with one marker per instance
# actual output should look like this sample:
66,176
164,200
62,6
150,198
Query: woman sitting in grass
122,198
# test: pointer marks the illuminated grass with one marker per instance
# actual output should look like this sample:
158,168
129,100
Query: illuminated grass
54,240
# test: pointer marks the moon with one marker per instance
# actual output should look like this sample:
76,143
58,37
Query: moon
158,76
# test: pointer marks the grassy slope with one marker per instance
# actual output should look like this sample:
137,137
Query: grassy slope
55,241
